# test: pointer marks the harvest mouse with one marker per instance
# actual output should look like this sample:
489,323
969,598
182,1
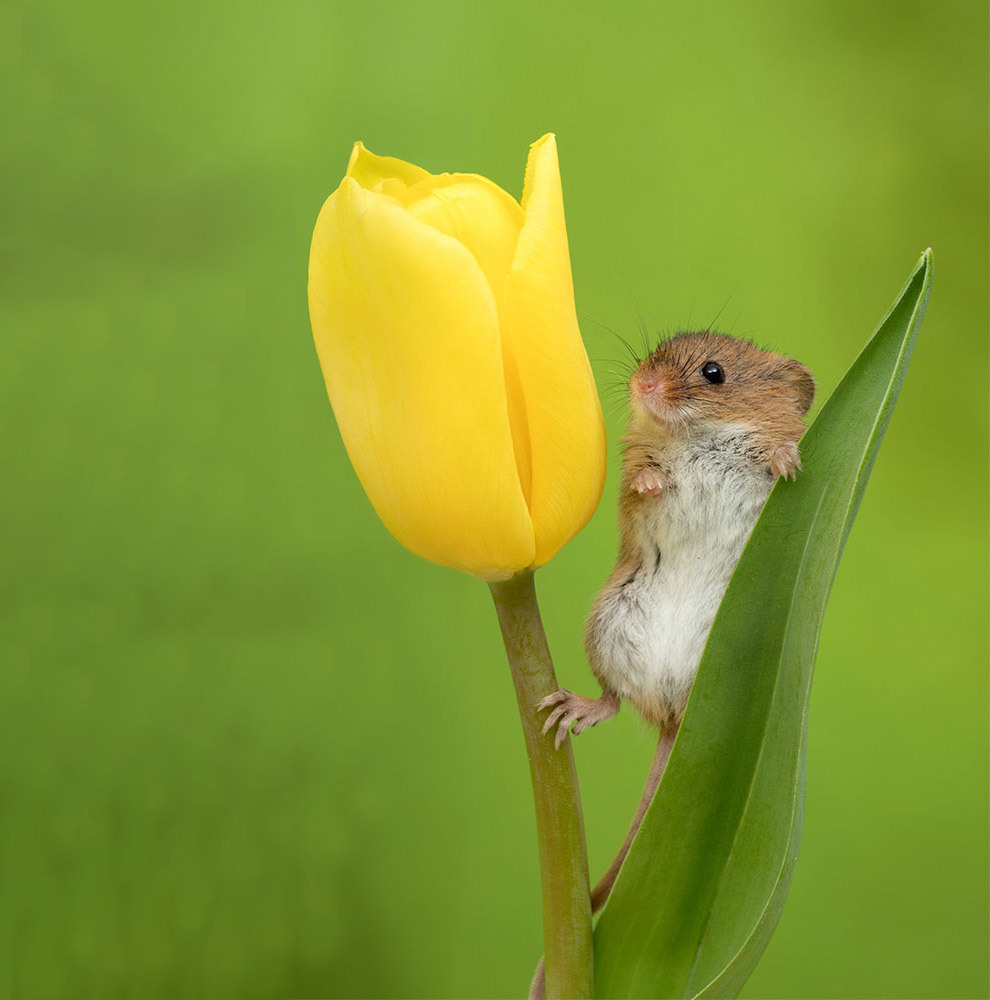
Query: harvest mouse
714,421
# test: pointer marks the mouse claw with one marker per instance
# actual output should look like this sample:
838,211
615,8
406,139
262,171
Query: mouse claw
551,719
565,724
648,482
786,461
555,698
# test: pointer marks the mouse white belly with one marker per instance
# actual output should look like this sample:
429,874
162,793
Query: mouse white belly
648,627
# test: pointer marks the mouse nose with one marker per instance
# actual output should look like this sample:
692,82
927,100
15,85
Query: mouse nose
648,384
652,390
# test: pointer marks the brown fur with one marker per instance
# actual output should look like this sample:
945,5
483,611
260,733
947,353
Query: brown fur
766,390
762,389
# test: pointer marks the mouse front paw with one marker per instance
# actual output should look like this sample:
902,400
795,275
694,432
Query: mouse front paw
648,482
571,708
786,461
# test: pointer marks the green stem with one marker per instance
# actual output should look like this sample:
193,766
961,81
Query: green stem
559,825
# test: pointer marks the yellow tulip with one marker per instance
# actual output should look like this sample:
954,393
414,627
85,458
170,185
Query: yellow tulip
443,314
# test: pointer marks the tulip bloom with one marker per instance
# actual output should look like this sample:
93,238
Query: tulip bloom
443,314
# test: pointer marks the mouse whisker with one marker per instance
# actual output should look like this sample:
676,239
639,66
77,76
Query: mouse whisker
615,409
693,361
622,340
722,310
644,329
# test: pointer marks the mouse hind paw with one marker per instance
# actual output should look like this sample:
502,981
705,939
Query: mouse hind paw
569,709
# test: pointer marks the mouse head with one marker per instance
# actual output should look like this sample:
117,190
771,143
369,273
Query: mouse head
705,378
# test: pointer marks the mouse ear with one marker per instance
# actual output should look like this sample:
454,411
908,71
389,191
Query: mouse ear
803,383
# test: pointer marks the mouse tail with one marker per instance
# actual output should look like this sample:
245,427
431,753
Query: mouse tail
538,987
601,891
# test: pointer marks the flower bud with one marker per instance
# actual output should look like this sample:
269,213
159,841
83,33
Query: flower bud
443,314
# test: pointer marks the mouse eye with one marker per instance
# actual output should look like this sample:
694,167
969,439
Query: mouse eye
712,372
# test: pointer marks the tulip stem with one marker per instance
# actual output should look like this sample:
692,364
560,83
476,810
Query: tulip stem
559,823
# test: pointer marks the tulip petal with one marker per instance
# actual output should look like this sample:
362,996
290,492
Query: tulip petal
383,174
487,220
407,333
477,213
539,327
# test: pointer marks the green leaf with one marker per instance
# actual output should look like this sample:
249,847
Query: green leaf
705,881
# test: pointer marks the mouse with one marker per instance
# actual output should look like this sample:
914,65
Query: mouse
714,422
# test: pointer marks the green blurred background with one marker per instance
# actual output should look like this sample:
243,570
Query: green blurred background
249,746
